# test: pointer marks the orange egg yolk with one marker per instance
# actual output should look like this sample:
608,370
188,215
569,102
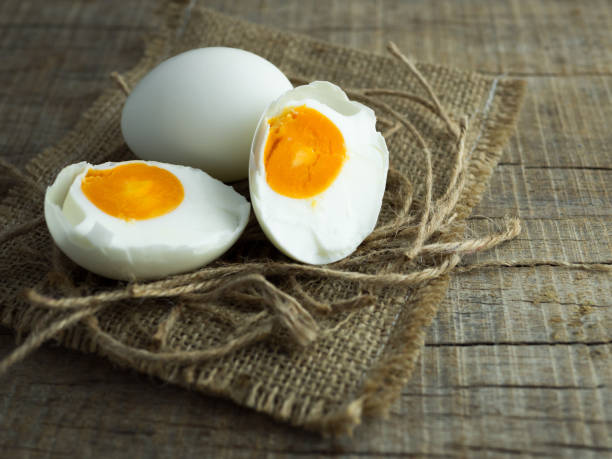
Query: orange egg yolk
304,152
133,191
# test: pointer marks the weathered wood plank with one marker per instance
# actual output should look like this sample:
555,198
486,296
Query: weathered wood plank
527,306
545,37
503,389
575,239
55,60
548,400
548,193
564,125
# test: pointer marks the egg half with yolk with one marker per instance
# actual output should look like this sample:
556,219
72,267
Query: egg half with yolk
141,220
317,173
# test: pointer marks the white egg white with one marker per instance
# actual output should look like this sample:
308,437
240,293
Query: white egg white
331,225
207,222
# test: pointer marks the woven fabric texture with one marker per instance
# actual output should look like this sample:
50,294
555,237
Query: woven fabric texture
362,358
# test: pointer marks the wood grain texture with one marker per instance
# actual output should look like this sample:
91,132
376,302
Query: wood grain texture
517,361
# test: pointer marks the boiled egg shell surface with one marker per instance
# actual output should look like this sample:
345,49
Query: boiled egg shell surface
317,173
140,220
200,109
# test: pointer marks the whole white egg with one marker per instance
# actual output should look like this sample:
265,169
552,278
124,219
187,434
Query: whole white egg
141,220
200,109
317,173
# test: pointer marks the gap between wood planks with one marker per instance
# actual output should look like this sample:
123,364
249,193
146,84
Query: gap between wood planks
546,167
519,343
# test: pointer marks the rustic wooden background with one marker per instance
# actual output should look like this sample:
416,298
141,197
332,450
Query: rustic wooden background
517,361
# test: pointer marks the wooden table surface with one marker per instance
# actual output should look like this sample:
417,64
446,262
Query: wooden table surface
517,361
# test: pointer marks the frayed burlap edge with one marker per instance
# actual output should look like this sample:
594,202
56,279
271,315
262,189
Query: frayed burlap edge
385,382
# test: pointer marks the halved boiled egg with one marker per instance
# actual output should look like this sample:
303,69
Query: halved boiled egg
141,220
317,173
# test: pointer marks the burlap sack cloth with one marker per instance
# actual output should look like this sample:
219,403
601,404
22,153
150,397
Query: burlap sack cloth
349,343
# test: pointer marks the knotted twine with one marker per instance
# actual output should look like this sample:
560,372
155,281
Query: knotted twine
247,324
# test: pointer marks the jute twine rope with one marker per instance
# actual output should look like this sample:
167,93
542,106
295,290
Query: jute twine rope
413,239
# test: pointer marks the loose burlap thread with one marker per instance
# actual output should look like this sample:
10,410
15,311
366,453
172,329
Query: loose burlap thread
319,347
